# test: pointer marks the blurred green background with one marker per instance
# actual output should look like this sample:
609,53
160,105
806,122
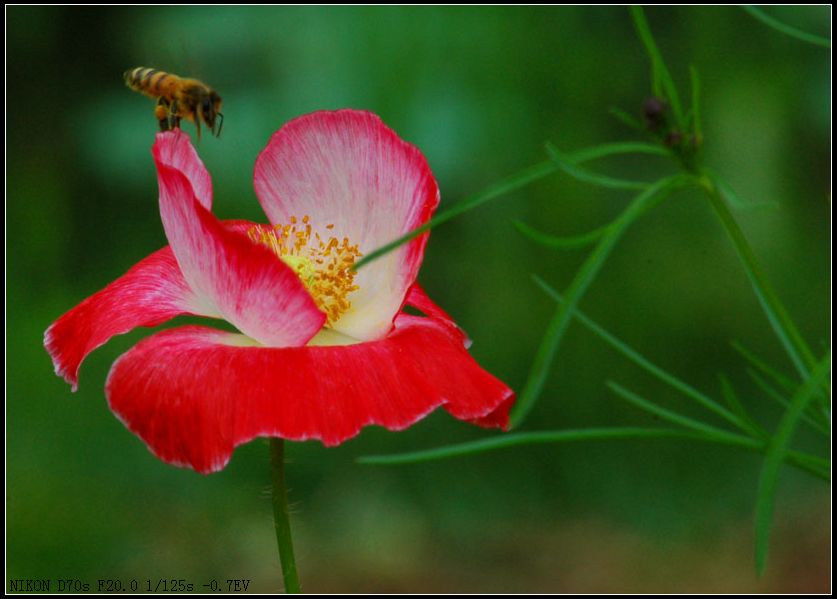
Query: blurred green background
479,90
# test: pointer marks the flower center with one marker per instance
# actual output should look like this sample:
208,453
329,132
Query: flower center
322,262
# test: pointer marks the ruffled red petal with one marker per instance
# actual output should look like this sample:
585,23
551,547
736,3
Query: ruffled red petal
152,292
193,395
418,298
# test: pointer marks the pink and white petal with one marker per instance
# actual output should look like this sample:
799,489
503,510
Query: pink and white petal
242,280
193,394
174,149
347,168
150,293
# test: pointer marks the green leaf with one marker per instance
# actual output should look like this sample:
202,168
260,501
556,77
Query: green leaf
641,361
512,183
819,425
778,317
582,174
530,438
711,432
663,85
560,243
695,112
582,280
775,454
628,119
780,379
787,29
735,200
737,408
788,386
613,149
812,464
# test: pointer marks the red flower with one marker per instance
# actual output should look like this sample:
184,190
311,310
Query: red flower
323,350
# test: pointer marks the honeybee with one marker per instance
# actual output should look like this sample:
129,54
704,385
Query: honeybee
178,98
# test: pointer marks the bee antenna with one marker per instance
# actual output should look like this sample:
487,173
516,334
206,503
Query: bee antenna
220,124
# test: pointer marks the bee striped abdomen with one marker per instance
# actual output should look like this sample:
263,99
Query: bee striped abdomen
147,81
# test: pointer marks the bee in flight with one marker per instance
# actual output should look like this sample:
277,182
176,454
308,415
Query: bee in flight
178,98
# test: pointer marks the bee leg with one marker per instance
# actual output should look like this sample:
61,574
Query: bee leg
174,119
162,114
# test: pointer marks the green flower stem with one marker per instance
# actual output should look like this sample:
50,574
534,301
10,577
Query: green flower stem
281,517
801,356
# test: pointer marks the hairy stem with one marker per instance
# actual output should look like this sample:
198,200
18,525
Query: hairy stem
281,517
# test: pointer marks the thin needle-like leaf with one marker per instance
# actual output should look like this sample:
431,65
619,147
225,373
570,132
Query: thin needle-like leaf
695,112
772,393
780,379
613,149
628,119
582,280
663,83
560,243
778,317
583,174
813,464
529,438
735,200
810,464
787,29
568,162
512,183
731,397
788,386
775,453
715,433
647,365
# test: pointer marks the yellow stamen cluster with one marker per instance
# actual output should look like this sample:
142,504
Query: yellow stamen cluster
324,264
